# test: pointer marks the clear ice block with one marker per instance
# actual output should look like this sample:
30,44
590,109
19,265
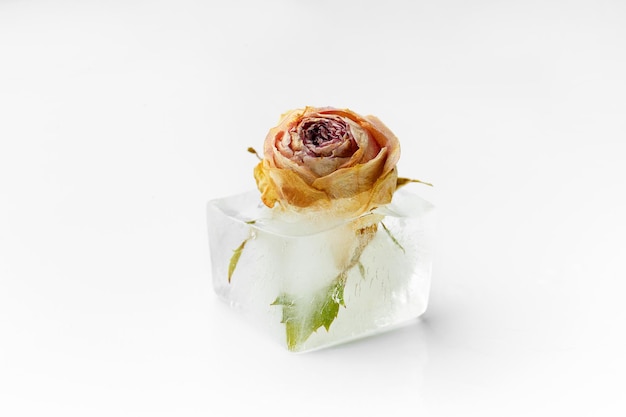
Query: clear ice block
318,281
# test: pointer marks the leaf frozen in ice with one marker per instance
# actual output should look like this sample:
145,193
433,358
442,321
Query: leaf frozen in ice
394,240
304,316
235,259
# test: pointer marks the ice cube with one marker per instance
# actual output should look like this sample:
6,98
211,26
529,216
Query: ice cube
316,281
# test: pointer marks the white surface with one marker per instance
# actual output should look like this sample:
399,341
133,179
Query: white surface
119,120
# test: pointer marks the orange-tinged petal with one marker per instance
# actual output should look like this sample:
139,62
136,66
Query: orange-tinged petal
293,190
268,189
346,182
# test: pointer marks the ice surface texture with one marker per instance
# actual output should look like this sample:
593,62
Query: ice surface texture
317,281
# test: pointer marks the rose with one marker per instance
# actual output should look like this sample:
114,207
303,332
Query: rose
328,159
331,163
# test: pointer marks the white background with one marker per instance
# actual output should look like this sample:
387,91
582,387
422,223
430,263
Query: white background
119,120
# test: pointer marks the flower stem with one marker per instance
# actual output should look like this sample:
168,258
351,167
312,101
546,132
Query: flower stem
303,316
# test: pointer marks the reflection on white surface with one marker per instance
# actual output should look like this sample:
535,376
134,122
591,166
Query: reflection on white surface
118,121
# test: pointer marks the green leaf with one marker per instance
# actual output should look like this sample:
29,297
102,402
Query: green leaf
361,269
235,259
392,237
305,315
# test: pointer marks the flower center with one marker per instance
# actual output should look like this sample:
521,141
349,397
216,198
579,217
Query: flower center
327,137
320,132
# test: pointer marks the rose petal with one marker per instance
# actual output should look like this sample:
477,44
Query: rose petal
294,190
349,181
269,192
323,166
384,136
